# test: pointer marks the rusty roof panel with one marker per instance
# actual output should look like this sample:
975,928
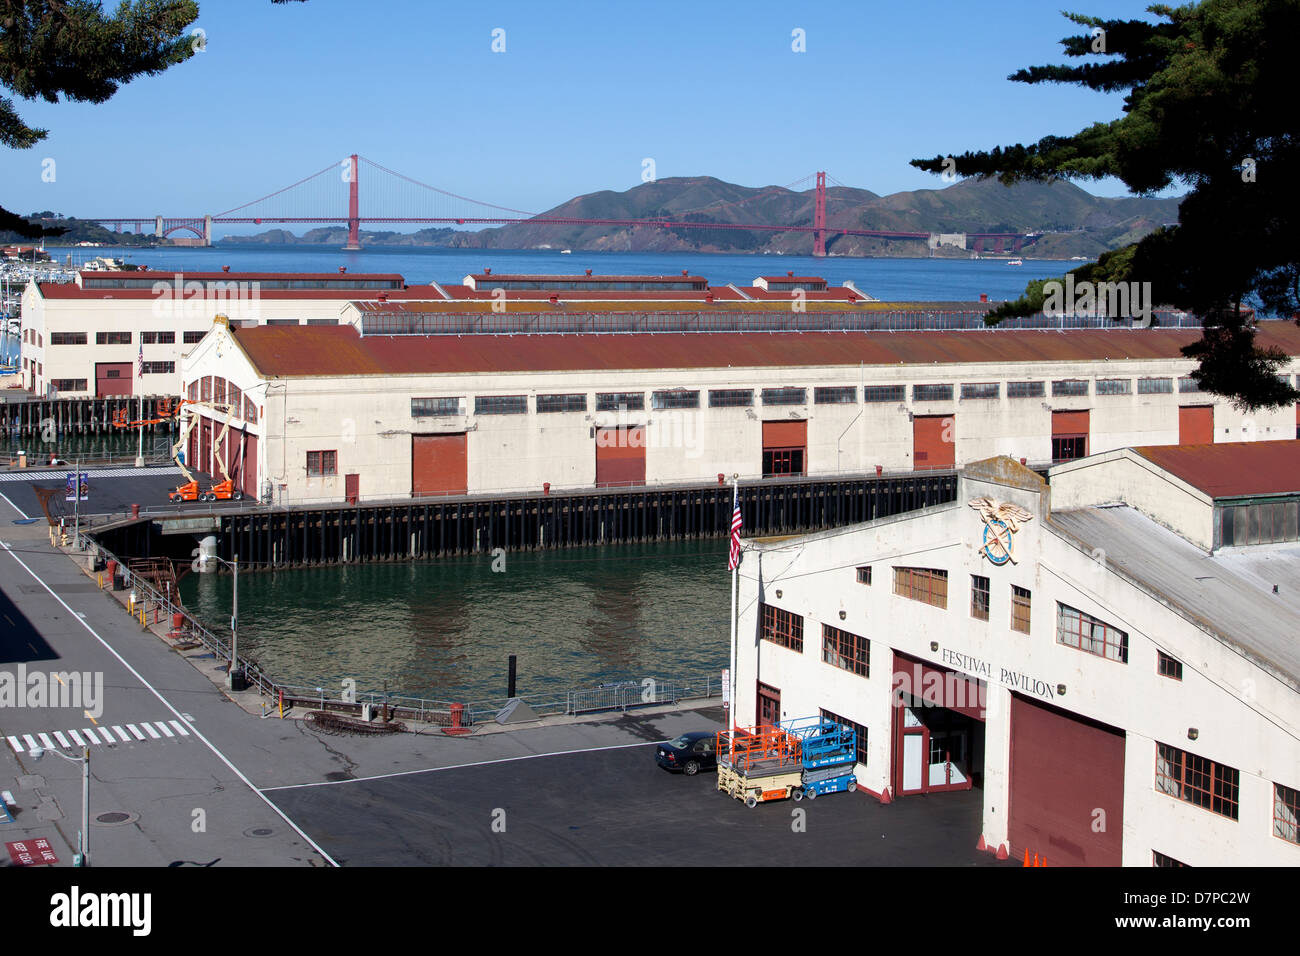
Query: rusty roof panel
1231,469
340,350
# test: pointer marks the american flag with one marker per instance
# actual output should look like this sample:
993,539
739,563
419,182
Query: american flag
140,359
733,559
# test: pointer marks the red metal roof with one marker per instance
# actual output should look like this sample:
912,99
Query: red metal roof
792,278
1229,469
583,277
70,290
162,275
464,292
341,350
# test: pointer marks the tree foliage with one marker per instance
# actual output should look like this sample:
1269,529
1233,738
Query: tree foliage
1208,106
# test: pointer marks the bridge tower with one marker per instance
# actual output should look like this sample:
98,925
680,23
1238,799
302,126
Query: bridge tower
819,217
354,213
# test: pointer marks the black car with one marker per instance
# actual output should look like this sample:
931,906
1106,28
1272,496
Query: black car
688,754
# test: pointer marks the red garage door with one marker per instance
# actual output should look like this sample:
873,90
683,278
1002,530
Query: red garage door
1067,786
620,456
439,465
1196,425
205,447
933,444
248,467
1070,435
785,448
113,378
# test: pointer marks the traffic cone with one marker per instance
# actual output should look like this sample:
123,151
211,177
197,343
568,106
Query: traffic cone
981,846
1026,863
1002,853
1035,859
1044,863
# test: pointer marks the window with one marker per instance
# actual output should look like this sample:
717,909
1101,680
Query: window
979,597
1197,780
189,337
112,338
1020,598
1087,633
1188,384
1025,390
283,322
250,411
1070,386
783,627
927,585
785,396
234,398
782,461
835,395
613,401
67,338
219,390
1069,447
205,389
434,407
982,390
193,391
1166,666
576,402
864,574
1286,813
1159,859
1114,386
322,321
859,731
321,463
157,338
69,384
931,393
501,405
845,650
675,398
884,393
1155,386
159,368
730,397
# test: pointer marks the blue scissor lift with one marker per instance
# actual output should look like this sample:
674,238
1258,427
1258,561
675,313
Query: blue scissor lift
828,751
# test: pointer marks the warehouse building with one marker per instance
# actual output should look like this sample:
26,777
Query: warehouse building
1113,662
328,413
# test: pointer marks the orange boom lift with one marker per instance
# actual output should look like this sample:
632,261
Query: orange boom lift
223,490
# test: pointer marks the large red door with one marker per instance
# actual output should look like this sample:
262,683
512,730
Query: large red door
785,448
769,705
1067,786
248,467
439,465
934,441
1196,425
1070,432
620,456
205,446
113,378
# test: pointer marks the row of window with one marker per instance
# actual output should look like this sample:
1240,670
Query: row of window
218,390
1216,787
121,338
840,648
744,397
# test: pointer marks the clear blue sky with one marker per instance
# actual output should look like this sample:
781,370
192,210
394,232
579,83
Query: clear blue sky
583,92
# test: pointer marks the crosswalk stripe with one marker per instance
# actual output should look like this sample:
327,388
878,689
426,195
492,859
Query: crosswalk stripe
90,475
153,734
90,735
16,744
122,733
30,741
164,728
135,731
76,738
63,741
46,742
180,728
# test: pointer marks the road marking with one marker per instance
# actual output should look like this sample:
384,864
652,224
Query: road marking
24,514
459,766
135,731
76,738
63,741
30,741
14,742
163,727
90,735
153,734
122,733
84,713
46,742
180,729
168,704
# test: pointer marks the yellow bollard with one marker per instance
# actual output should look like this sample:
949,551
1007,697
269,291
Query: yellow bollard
100,578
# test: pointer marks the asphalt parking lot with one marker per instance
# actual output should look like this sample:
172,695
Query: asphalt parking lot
616,807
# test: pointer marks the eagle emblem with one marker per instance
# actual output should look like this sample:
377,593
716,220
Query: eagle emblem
1002,520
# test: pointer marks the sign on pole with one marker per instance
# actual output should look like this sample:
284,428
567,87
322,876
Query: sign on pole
71,495
726,687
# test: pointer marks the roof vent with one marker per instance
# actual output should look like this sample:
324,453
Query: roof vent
383,297
708,297
554,299
342,269
225,268
487,270
588,272
686,272
790,273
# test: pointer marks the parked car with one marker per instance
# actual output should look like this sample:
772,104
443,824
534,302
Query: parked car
689,753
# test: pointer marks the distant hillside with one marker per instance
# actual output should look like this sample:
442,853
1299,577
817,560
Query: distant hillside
1076,222
79,230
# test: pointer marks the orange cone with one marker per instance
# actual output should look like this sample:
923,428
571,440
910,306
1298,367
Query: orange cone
1026,863
981,845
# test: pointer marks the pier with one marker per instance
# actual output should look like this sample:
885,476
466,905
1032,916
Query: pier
27,416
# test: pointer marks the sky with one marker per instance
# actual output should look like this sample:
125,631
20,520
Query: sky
580,97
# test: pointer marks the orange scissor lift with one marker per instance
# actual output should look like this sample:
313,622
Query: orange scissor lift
222,490
756,764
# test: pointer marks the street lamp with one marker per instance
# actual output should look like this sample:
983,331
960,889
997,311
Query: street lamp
83,837
234,623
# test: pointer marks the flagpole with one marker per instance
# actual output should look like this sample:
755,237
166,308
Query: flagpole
735,581
139,367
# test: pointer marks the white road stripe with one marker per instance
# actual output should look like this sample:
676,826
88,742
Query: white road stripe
76,738
164,728
179,728
121,733
153,734
30,741
135,731
90,735
16,744
63,741
46,742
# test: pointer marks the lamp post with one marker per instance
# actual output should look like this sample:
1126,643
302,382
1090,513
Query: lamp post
83,837
234,621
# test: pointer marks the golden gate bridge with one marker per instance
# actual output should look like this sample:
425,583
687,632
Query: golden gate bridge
392,196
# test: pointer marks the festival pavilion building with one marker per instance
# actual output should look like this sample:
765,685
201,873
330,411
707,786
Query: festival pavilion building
1112,660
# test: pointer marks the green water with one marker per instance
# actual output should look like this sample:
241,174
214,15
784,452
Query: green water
444,629
116,443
